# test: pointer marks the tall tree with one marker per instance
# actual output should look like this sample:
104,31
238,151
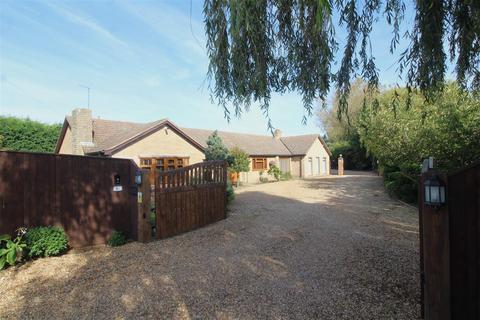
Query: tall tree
215,149
258,47
342,133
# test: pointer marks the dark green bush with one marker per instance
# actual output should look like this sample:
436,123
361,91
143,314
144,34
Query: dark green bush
117,238
354,155
46,241
230,192
401,182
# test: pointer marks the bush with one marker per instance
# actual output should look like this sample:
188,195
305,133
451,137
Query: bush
240,160
46,241
353,153
11,251
401,183
117,238
275,171
230,192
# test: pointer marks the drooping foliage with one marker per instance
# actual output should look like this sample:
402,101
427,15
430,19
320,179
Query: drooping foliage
258,47
27,135
342,133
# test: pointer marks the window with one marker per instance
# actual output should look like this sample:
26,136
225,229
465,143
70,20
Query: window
259,164
145,162
163,164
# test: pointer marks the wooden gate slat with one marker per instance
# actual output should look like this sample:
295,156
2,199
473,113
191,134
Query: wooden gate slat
190,197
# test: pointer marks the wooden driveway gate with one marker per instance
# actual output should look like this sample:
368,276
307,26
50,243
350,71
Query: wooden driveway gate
450,248
190,197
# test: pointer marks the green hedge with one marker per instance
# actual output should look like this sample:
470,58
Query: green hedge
27,135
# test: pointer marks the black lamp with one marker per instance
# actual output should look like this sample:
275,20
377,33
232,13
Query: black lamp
434,191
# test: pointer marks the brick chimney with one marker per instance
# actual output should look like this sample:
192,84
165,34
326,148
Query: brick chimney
277,133
82,130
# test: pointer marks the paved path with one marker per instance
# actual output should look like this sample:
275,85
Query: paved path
327,248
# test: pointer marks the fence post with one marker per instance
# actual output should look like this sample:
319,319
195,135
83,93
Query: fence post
144,205
340,165
435,233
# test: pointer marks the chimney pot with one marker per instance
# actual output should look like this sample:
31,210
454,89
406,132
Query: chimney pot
277,133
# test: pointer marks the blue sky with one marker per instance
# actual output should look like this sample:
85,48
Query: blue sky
143,60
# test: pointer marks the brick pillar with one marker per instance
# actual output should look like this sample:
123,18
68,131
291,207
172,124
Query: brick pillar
340,165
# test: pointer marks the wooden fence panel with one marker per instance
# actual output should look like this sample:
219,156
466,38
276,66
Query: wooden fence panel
74,192
464,213
190,197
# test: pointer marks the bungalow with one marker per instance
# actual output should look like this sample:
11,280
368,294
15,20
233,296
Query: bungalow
163,145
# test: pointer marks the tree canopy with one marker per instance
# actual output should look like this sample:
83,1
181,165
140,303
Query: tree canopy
259,47
448,129
342,134
27,135
215,149
400,138
240,160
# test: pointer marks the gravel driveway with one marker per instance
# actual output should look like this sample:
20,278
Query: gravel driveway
327,248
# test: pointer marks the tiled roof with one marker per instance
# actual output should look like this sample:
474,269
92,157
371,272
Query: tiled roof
299,144
108,135
250,143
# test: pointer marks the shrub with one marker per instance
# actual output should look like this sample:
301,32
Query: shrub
240,160
11,251
117,238
401,182
275,171
46,241
230,192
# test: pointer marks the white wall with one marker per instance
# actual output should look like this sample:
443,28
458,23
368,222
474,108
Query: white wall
317,150
254,176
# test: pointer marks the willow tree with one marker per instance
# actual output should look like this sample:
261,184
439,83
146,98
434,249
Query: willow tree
260,47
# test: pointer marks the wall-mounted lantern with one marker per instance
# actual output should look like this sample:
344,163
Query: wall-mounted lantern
434,191
138,177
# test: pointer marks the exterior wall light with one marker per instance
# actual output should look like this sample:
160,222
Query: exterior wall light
434,191
138,177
